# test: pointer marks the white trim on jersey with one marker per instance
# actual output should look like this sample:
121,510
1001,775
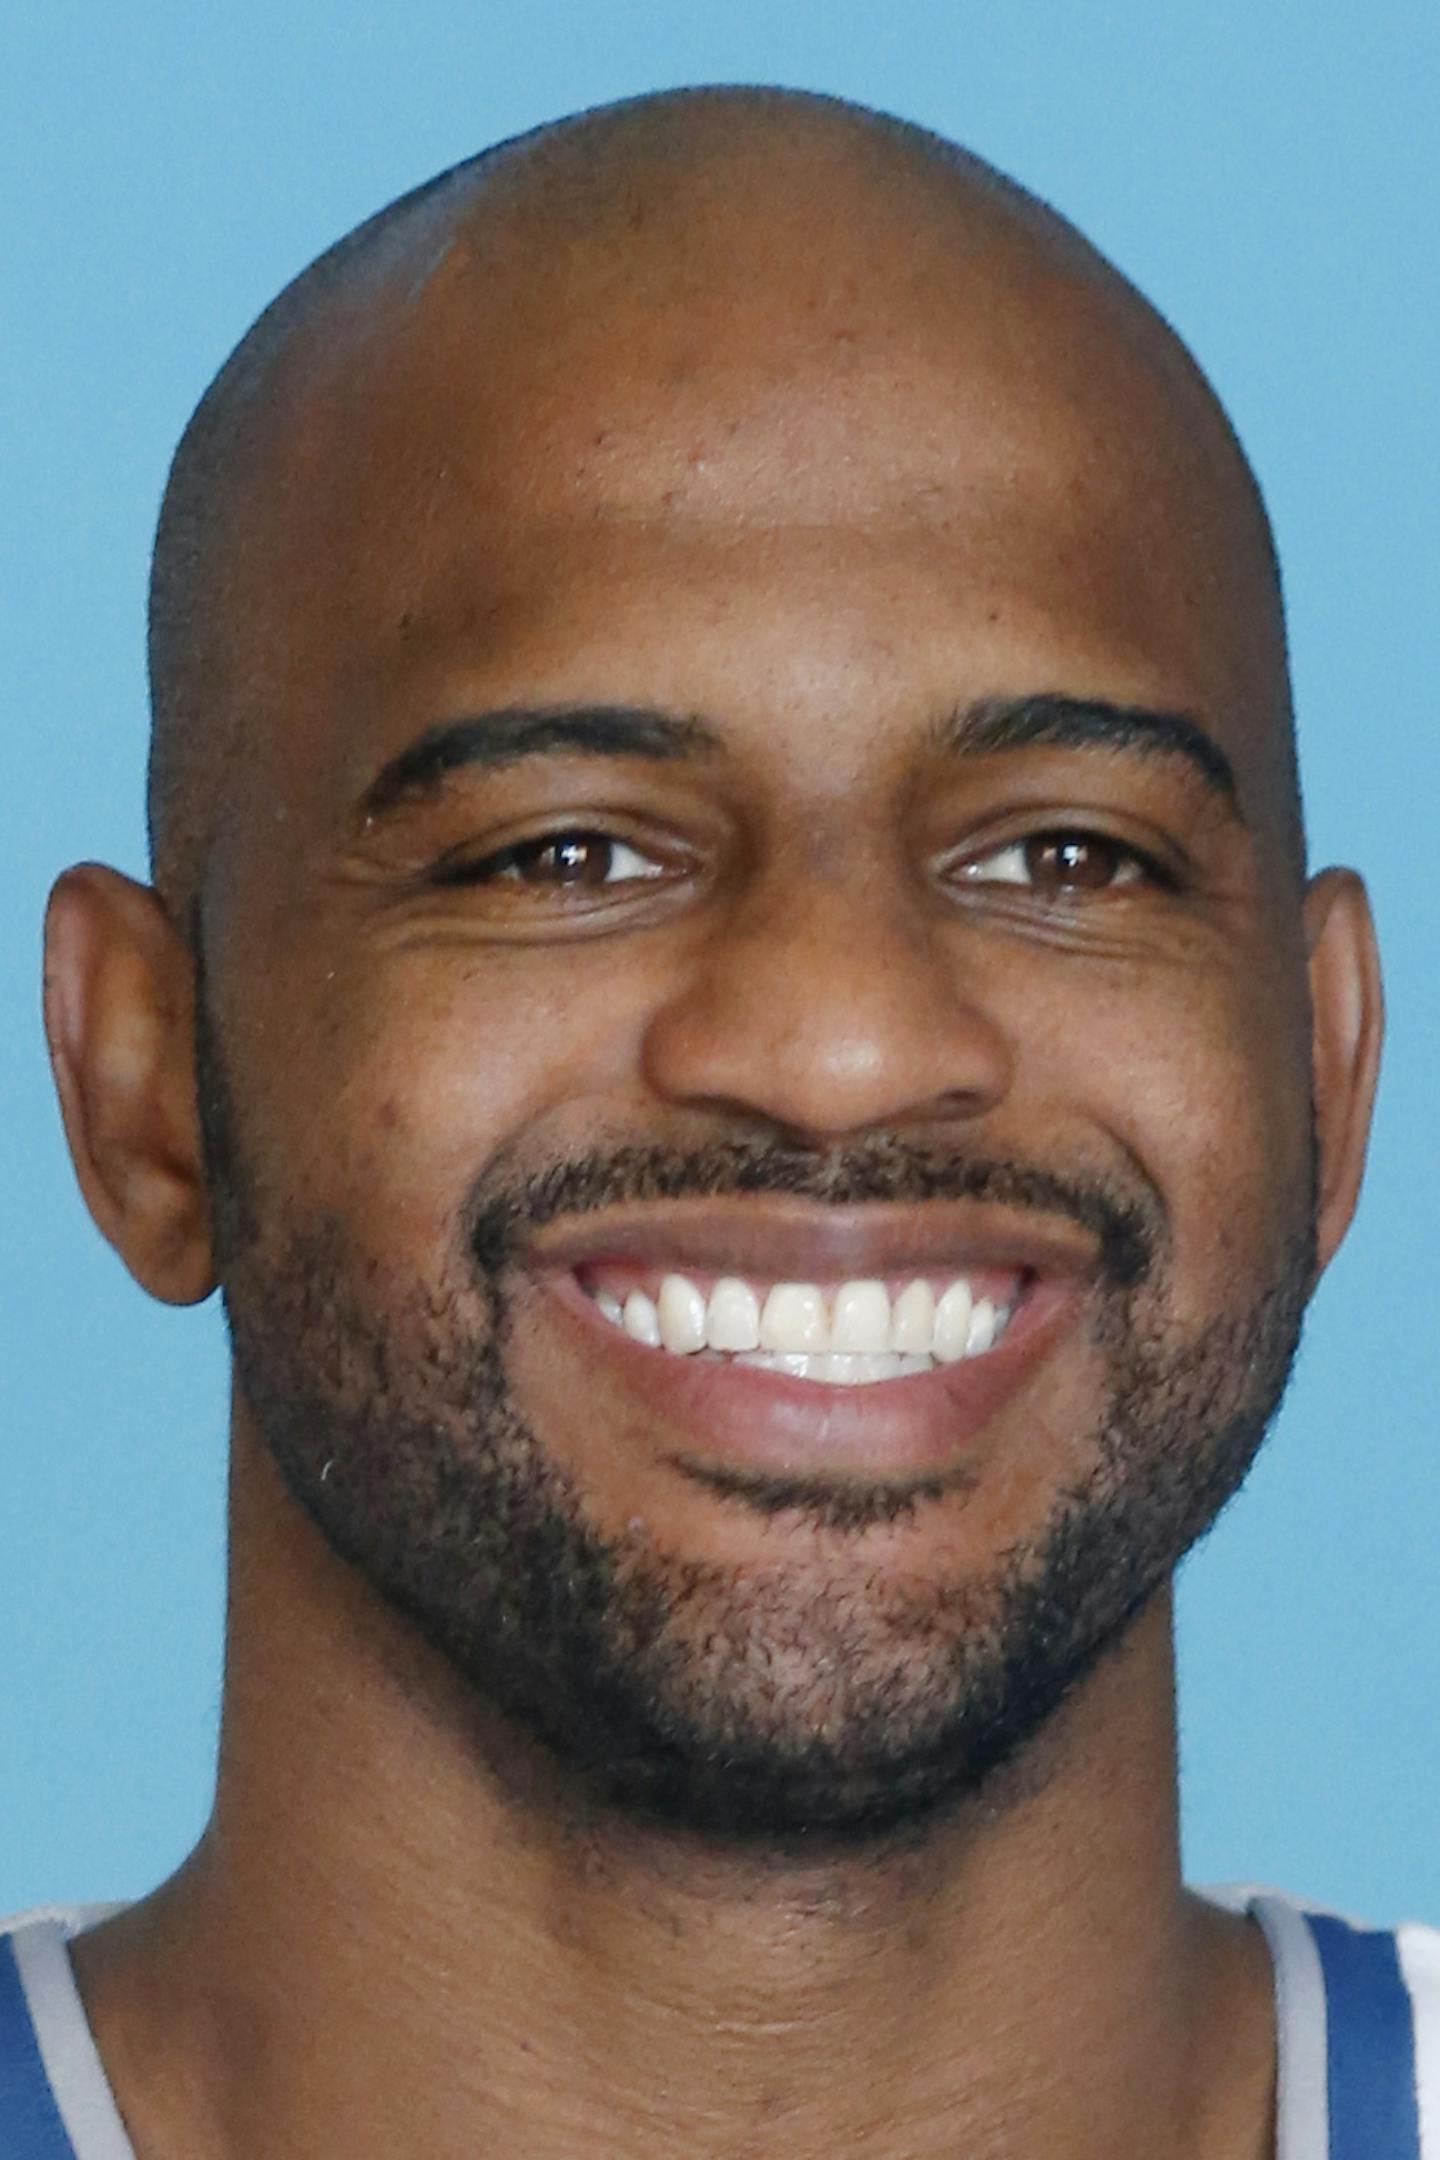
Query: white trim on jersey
66,2046
1419,1949
1301,2103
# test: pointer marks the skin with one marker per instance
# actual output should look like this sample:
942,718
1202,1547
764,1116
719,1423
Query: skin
822,498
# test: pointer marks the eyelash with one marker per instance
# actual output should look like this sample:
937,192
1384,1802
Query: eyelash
1132,866
507,865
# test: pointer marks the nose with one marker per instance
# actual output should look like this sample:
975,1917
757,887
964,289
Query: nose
828,1011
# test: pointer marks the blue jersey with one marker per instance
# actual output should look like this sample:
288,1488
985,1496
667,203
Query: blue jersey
1357,2016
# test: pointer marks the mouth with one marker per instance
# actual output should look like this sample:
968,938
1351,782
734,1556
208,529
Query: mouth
858,1333
872,1341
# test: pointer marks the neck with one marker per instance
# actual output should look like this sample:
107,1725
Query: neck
398,1935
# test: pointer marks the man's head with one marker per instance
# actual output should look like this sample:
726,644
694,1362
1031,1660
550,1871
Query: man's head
722,732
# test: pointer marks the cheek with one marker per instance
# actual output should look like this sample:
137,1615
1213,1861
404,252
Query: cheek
410,1072
1204,1083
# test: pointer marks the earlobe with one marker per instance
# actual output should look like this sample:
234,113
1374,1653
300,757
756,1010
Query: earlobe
1347,1024
119,1016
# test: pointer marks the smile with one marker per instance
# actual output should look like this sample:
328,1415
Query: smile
848,1334
776,1335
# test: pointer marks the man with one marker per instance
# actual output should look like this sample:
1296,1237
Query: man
732,999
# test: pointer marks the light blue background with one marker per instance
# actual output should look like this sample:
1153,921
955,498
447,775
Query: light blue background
1268,170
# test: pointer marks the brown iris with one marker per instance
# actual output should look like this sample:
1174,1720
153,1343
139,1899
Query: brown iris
1061,862
571,858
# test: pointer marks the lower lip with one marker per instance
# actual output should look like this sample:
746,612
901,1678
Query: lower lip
741,1415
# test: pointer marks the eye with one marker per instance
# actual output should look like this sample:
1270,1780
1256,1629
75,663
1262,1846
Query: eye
574,859
1054,864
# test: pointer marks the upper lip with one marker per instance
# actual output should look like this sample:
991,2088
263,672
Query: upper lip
778,1240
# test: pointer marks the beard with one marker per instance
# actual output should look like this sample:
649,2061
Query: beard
821,1702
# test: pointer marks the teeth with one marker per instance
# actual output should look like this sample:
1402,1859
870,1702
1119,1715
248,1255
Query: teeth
841,1368
795,1319
862,1318
795,1364
952,1323
983,1328
856,1369
912,1323
733,1319
864,1337
641,1319
682,1315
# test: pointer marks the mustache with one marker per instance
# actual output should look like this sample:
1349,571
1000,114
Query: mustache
1128,1227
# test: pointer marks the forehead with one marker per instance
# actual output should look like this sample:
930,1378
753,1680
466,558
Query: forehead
795,423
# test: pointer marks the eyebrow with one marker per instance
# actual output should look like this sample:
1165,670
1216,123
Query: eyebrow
1050,719
512,733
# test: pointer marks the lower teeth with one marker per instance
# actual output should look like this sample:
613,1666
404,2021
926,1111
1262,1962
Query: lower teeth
840,1368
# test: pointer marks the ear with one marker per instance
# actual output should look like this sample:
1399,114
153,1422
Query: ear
1347,1023
119,1015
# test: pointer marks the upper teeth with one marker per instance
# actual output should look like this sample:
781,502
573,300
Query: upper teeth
797,1321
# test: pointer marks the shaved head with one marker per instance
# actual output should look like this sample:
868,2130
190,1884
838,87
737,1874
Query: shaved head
760,262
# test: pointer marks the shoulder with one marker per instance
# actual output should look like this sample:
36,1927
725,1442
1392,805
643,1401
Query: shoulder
54,2098
1358,2029
1346,1946
69,1919
34,1956
1419,1950
32,1948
